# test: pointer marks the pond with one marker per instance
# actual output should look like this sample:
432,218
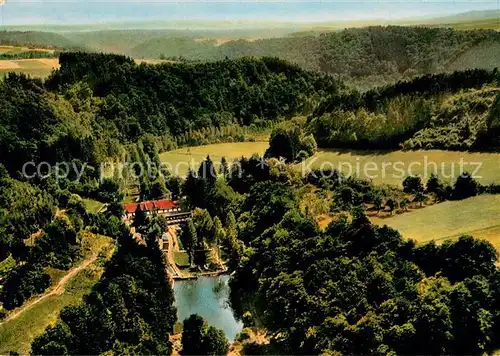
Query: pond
209,298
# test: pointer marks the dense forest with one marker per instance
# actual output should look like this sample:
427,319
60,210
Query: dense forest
457,111
365,57
94,104
358,289
373,54
355,288
352,288
177,98
36,39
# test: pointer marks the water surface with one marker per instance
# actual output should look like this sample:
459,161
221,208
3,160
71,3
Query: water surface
209,298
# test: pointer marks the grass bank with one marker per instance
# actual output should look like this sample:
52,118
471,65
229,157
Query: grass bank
18,333
477,216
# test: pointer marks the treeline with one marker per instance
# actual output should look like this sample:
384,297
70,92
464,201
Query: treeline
356,288
424,86
447,111
29,55
36,39
176,98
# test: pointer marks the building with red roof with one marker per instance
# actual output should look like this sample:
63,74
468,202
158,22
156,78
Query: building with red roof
162,207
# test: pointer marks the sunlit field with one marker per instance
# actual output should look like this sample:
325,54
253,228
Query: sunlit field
192,156
372,163
477,216
40,67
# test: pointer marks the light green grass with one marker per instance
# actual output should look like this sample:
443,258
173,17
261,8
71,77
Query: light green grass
92,206
477,216
18,334
39,67
180,160
445,160
17,49
181,259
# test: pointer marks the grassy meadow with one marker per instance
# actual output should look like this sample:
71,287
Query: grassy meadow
477,216
447,163
92,205
18,49
182,159
17,334
40,67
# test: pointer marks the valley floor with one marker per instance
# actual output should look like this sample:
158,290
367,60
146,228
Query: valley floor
477,216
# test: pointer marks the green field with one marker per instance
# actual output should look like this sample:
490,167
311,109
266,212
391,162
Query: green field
182,159
477,216
391,166
41,67
181,259
17,334
17,49
394,161
92,206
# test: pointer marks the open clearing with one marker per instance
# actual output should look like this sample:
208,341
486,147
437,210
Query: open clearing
391,167
92,206
16,49
182,159
478,216
22,325
40,67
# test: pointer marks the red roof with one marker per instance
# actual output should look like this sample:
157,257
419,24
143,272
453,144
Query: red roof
150,205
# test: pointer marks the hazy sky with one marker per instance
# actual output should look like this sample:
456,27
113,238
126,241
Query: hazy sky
16,12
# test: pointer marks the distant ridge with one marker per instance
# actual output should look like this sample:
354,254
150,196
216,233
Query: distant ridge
468,16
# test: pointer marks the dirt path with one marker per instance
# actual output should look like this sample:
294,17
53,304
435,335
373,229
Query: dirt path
59,289
173,247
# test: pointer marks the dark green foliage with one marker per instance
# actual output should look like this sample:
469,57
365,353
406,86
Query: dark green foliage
413,185
200,339
109,190
360,289
58,246
205,190
192,335
143,99
140,218
28,55
465,187
288,141
412,114
34,126
21,283
283,143
24,209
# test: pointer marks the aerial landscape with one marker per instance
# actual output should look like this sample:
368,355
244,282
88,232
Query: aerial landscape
249,178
